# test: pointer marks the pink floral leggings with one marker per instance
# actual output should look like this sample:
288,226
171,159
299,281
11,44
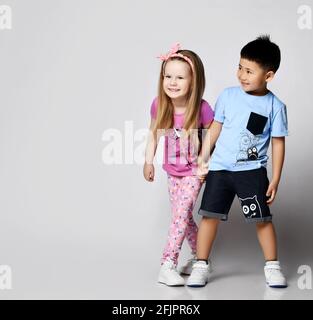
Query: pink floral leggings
183,193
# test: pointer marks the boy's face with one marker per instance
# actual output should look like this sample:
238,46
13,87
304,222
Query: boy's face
252,77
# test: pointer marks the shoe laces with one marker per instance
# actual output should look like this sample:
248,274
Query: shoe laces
274,270
200,267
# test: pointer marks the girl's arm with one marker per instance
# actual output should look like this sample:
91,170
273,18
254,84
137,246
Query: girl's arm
152,143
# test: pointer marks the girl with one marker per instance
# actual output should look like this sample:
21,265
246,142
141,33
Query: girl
178,113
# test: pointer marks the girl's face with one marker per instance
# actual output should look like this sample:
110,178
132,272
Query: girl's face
177,79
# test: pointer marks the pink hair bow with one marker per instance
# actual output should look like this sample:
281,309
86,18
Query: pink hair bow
173,50
173,53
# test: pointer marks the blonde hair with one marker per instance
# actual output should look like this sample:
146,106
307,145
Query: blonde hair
165,110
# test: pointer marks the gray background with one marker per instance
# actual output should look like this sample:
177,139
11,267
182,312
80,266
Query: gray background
73,227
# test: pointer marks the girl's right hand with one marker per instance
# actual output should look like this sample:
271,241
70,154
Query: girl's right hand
148,172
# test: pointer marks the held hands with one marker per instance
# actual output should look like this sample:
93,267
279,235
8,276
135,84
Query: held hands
271,192
148,172
202,170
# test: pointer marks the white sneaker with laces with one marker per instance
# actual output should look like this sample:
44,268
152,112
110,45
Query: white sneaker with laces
187,268
168,275
200,274
273,275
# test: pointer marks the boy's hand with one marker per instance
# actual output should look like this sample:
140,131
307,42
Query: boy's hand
271,192
148,172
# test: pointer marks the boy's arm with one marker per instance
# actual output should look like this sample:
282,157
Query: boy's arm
208,145
278,156
210,140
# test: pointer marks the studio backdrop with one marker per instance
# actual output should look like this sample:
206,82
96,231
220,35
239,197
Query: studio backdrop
77,218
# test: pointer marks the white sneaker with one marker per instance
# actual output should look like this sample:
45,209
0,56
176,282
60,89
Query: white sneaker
169,275
200,274
273,275
187,268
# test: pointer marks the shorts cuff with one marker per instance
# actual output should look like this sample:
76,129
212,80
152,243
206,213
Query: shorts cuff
264,219
210,214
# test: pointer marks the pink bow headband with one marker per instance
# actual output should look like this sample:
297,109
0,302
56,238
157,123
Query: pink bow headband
173,53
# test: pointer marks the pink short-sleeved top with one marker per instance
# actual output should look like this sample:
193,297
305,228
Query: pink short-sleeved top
180,157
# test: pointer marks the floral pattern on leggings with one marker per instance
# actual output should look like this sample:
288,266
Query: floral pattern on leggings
183,192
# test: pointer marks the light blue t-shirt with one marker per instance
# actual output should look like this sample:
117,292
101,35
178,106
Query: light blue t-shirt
248,124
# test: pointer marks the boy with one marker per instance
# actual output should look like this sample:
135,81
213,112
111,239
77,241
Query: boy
246,119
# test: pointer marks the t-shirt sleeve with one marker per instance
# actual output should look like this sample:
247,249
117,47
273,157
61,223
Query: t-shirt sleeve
279,126
219,111
207,113
153,109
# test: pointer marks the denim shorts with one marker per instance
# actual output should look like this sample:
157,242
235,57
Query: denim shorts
250,187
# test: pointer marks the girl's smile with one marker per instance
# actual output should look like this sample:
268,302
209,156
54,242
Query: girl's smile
177,79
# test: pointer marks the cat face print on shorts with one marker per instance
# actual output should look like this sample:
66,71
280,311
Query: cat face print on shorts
251,207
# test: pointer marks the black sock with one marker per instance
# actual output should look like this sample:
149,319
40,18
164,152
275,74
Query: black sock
206,261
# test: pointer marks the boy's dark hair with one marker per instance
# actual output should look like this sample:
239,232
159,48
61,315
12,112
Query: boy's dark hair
263,51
